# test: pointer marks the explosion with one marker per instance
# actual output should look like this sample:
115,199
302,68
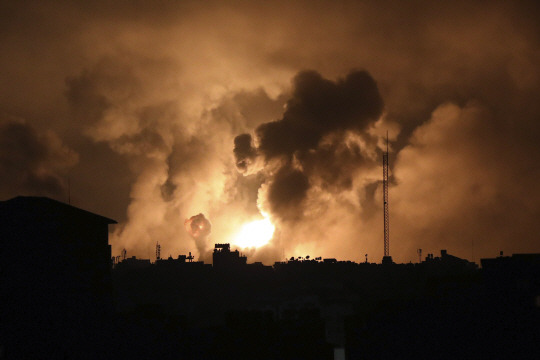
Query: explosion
199,228
255,234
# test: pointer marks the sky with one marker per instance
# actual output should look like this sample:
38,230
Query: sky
185,120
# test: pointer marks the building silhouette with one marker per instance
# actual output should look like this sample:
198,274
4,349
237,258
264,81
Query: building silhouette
224,258
56,278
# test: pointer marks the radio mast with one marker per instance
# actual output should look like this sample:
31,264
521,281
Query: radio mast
387,259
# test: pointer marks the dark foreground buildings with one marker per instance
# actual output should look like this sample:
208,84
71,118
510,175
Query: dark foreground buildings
443,308
57,301
56,289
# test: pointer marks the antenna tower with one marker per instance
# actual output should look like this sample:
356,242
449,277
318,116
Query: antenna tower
158,251
386,258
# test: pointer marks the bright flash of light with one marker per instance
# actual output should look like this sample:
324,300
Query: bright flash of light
255,234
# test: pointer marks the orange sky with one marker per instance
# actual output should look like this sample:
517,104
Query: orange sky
139,105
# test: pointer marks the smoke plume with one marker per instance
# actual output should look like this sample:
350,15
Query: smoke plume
33,163
157,113
318,141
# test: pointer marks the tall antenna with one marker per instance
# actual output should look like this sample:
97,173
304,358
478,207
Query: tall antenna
386,258
158,251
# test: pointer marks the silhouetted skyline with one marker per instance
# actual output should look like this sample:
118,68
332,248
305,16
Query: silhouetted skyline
65,296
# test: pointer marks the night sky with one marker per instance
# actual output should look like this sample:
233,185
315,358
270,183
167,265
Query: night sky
153,112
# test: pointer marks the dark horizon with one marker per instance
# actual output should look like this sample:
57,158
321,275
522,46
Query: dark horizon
66,296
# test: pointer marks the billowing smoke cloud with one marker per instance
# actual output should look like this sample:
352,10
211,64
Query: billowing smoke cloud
308,146
456,198
199,228
33,163
153,112
319,107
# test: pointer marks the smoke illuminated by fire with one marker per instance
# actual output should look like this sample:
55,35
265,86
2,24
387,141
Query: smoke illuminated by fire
237,109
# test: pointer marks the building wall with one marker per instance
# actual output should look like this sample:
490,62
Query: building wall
56,277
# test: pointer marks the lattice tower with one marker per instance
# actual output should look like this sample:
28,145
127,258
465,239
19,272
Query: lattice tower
385,201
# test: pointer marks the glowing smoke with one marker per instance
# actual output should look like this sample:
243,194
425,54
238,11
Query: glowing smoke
153,112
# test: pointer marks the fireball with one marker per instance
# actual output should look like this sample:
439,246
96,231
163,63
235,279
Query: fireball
255,234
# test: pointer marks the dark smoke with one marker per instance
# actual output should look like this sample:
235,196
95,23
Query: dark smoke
309,140
287,192
244,152
318,107
32,163
199,228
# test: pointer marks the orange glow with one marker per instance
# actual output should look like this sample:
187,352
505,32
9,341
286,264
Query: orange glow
255,234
